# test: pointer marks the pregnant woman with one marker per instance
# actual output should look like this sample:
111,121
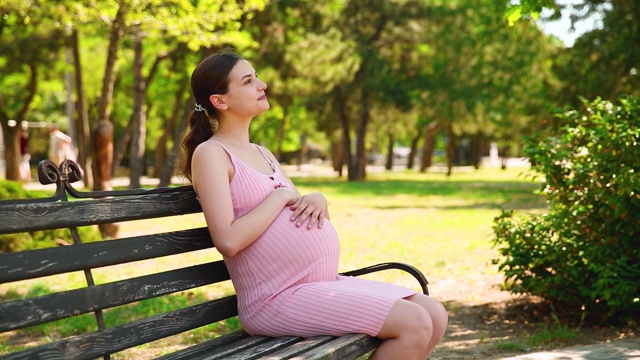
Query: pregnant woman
279,246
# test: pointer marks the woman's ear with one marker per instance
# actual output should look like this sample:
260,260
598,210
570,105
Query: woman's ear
218,102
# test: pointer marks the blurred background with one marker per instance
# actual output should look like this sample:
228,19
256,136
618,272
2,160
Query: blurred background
352,84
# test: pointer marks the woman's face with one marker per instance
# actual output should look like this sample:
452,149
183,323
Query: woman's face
246,95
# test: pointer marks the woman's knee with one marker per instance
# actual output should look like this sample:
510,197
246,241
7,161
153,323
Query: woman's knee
436,310
421,326
410,322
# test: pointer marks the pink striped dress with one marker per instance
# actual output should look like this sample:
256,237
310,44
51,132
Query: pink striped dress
287,281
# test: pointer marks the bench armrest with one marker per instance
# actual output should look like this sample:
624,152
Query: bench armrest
393,265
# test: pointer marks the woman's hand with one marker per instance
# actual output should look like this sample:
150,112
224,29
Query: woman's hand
290,196
312,207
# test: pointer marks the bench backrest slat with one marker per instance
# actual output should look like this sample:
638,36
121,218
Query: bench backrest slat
38,310
45,262
110,340
55,215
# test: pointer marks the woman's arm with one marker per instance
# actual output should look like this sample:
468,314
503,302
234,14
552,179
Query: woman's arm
211,172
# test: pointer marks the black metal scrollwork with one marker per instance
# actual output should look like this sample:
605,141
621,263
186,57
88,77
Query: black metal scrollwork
48,172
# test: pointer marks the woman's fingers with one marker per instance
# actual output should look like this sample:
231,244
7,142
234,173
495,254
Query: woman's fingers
308,208
303,213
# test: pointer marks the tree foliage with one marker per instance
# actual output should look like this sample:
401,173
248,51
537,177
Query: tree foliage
582,255
343,74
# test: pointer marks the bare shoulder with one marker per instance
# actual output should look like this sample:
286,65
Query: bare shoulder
210,154
208,149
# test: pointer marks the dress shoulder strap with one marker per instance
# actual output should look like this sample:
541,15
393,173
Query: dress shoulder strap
271,163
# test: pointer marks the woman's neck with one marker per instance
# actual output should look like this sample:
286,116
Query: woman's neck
233,134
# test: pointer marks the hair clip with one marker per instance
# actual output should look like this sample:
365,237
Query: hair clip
199,107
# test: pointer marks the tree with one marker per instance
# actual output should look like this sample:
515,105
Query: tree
482,77
103,132
30,41
82,121
603,62
182,26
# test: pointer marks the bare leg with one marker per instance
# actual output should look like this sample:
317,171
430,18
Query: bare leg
412,329
439,319
406,333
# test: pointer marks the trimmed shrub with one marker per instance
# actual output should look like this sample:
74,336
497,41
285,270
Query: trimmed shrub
583,254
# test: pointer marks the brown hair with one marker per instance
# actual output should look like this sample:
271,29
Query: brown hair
210,77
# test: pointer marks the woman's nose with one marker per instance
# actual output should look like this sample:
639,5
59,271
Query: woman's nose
263,85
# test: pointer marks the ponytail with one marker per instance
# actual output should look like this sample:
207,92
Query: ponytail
210,77
200,130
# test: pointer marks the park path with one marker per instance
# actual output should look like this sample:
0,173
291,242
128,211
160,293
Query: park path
626,349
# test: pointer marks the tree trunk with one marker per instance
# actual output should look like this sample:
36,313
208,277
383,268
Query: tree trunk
361,134
160,155
11,135
139,118
11,138
475,150
69,106
124,140
82,119
414,150
451,148
504,156
428,146
103,136
169,166
103,149
389,163
338,155
346,130
121,146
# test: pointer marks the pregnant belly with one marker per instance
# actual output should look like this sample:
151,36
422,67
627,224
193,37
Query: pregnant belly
300,253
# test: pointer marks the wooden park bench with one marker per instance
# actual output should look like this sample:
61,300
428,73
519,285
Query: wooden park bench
70,209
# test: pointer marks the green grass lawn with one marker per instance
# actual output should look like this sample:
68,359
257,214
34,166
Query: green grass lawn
441,225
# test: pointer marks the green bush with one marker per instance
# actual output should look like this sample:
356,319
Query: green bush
37,239
12,190
583,254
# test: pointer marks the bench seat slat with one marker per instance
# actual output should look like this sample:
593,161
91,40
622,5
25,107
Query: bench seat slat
262,349
45,262
224,352
55,215
298,349
241,347
206,348
346,347
138,332
33,311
